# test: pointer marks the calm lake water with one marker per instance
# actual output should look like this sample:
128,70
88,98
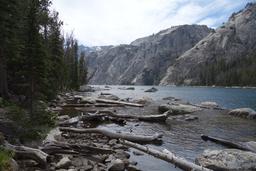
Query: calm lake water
225,97
183,138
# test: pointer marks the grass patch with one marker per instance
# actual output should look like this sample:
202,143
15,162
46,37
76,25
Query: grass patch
5,159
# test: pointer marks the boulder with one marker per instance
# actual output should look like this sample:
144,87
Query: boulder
228,160
151,90
63,117
243,112
64,163
209,104
117,165
143,100
176,109
171,98
130,88
132,168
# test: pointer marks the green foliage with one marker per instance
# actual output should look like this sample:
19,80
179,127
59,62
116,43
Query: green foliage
240,72
36,62
5,158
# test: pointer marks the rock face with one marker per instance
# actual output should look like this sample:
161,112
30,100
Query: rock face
228,159
244,113
144,61
233,41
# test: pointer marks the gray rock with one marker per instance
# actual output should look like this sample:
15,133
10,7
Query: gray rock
209,104
132,168
177,109
145,60
117,165
63,117
244,113
64,163
235,39
130,88
151,90
228,159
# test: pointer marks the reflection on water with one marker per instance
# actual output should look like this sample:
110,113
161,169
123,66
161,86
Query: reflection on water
183,138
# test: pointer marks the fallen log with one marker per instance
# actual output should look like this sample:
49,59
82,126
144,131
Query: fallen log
167,156
148,118
23,152
92,105
114,135
247,146
56,147
119,102
91,117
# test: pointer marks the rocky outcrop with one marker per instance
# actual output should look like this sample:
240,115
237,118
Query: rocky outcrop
228,159
244,113
145,60
233,41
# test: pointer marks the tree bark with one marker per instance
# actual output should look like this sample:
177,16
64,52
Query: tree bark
93,105
24,152
119,102
167,156
3,75
114,135
66,148
148,118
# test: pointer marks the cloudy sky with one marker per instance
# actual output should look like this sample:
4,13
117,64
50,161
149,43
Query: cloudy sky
105,22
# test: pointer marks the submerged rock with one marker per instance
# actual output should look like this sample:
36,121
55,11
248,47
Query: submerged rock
130,88
117,165
209,104
151,90
228,159
244,113
176,109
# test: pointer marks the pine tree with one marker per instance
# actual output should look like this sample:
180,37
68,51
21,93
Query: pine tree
82,69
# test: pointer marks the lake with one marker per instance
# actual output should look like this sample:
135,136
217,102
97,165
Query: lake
183,138
226,97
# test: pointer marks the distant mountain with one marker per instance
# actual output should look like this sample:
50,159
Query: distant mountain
187,55
145,60
224,57
88,50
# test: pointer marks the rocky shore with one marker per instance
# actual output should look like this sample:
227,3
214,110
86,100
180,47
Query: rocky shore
82,141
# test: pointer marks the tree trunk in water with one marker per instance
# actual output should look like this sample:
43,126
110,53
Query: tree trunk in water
167,156
247,146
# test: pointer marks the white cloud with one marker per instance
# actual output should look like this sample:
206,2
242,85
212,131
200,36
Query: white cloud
104,22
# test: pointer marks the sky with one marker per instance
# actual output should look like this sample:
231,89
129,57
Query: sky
114,22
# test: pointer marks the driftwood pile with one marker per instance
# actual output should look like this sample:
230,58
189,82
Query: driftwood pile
100,149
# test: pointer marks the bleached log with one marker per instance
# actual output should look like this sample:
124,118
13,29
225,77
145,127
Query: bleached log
247,146
148,118
23,152
167,156
92,105
115,135
119,102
